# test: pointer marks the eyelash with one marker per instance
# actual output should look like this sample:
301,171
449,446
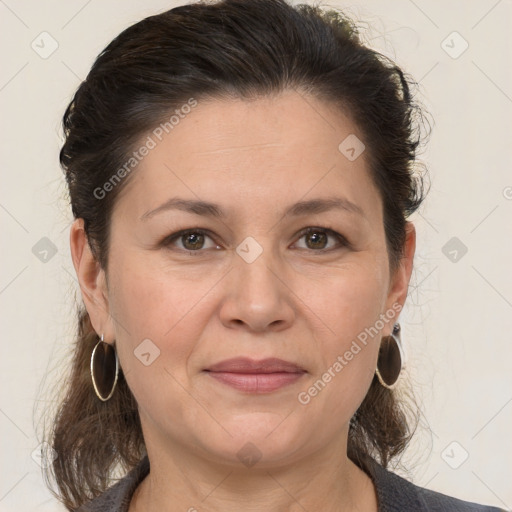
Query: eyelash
340,238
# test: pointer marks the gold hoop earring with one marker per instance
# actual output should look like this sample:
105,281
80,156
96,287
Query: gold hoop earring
391,359
104,369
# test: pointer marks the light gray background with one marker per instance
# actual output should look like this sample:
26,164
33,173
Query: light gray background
457,323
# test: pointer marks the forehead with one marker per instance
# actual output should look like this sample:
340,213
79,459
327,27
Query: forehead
257,153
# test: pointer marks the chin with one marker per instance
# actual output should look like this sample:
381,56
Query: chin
258,438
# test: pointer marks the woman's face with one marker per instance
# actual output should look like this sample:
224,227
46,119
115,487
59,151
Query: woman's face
250,284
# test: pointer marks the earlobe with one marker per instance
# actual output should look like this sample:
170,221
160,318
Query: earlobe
91,278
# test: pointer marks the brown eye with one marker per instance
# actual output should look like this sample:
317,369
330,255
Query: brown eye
192,241
317,239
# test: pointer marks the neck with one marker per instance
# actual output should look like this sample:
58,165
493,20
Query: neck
185,481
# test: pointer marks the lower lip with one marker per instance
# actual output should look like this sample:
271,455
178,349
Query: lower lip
256,382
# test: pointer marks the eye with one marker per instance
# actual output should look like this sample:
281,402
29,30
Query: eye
191,240
317,239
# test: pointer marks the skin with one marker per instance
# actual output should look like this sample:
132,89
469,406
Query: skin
301,300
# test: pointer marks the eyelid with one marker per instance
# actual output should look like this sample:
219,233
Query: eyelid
175,236
342,241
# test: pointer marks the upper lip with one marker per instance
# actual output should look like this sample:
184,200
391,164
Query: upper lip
247,365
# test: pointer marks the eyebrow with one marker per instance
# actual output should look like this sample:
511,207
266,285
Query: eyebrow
207,209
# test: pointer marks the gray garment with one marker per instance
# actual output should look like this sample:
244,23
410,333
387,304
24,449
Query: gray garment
394,493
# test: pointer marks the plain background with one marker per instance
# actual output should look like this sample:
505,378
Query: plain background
457,322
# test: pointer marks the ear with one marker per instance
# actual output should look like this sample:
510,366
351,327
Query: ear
399,282
92,280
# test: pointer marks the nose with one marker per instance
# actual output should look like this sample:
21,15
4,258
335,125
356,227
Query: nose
257,297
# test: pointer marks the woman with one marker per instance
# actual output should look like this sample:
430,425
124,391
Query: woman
241,174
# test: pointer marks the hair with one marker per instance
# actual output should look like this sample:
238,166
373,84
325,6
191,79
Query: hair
231,49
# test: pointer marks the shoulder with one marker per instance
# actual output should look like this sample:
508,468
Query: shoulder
396,494
117,498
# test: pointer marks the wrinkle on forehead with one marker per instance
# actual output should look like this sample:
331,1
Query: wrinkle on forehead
230,149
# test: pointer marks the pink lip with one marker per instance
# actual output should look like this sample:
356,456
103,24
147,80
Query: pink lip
254,376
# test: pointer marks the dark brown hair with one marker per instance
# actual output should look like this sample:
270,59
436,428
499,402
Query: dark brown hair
240,49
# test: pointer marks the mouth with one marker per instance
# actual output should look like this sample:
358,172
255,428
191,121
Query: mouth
253,376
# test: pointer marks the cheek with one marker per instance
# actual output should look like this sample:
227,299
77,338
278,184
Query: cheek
159,313
149,300
170,307
347,299
349,303
155,335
